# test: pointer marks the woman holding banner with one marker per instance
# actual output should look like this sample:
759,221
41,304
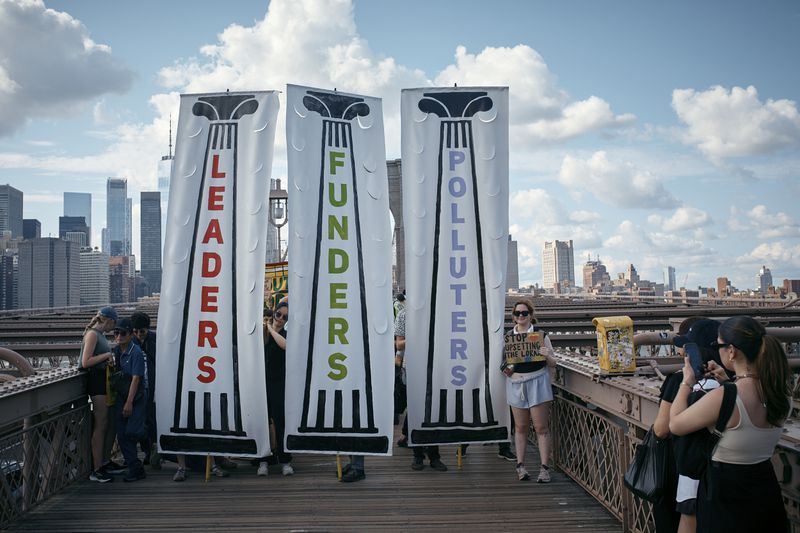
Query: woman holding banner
529,391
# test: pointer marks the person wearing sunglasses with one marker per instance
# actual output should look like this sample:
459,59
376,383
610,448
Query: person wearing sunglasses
131,404
275,357
146,338
739,492
529,392
95,355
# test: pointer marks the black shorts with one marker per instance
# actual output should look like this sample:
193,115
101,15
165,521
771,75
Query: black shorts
97,382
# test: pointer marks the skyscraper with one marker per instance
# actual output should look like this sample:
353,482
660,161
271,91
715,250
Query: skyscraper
512,272
94,277
669,278
558,265
49,273
8,279
121,278
74,229
31,228
763,280
150,219
128,226
11,210
79,204
164,174
118,217
594,274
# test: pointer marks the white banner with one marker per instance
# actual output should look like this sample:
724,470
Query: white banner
455,210
339,355
211,389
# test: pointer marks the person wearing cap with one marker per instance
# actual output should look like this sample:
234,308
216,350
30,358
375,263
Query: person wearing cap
739,491
131,404
677,509
146,339
95,355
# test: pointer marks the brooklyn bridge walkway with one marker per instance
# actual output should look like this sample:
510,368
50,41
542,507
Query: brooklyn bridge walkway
484,496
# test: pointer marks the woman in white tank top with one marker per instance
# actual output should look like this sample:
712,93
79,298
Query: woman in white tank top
740,478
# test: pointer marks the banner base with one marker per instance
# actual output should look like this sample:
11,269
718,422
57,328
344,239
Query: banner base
457,435
337,443
212,445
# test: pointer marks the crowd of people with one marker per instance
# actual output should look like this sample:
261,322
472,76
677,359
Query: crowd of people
738,492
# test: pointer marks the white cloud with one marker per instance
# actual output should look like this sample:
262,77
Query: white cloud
766,224
617,184
732,123
50,66
584,217
776,255
684,218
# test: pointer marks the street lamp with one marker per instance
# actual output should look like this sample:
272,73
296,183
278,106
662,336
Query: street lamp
278,209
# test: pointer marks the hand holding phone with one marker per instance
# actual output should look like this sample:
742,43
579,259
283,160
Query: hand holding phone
695,359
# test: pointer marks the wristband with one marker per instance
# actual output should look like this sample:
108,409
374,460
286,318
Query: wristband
690,386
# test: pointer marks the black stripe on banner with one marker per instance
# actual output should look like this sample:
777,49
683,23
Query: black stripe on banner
337,410
190,417
207,411
459,406
443,406
356,409
476,405
223,409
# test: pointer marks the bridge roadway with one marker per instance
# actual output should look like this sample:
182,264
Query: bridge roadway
483,496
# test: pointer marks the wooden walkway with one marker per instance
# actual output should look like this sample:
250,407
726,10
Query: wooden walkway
484,496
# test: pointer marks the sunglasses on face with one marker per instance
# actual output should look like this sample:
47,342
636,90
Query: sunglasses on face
521,313
280,316
121,332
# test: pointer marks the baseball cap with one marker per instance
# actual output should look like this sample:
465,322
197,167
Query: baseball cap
703,333
109,312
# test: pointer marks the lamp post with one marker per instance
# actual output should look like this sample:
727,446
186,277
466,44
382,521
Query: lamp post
278,209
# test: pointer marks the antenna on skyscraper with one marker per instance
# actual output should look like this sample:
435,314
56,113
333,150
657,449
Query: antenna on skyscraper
170,135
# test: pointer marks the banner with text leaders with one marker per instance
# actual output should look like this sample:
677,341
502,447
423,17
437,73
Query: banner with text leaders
455,211
339,354
211,390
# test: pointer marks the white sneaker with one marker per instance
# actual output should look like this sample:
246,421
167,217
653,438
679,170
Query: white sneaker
217,471
263,469
522,474
180,475
287,469
544,475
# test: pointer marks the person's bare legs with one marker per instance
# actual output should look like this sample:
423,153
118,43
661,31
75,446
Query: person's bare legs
100,414
521,422
688,523
541,424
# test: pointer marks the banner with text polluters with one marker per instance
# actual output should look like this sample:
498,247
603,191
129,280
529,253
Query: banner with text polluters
211,389
455,211
339,364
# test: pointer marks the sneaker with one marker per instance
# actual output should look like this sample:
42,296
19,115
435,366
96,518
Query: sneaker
418,464
226,464
180,475
263,469
353,475
113,468
134,476
522,474
438,465
100,476
287,469
155,459
544,475
506,453
217,471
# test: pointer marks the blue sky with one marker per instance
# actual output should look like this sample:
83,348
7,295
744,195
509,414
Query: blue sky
649,133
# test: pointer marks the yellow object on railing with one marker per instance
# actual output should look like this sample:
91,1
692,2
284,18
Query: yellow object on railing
615,344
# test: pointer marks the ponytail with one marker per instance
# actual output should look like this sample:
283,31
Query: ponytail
773,371
92,323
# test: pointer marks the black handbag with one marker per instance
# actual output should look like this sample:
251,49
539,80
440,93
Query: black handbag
646,475
693,451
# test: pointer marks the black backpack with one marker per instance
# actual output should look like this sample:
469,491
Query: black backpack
693,451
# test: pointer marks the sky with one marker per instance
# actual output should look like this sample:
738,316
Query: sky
651,133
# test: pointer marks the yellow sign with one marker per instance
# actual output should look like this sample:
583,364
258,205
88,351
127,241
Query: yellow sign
276,283
615,344
523,348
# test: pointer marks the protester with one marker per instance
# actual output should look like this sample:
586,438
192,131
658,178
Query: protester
529,393
739,491
434,458
147,342
275,364
131,389
95,355
676,509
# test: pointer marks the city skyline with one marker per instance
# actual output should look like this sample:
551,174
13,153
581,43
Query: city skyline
640,146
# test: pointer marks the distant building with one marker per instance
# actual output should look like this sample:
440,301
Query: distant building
94,277
631,276
150,219
724,287
791,285
79,204
763,280
669,278
594,274
512,271
121,279
558,265
74,229
272,234
11,210
117,217
49,273
8,279
31,228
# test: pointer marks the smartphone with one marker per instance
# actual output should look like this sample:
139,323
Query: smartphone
695,359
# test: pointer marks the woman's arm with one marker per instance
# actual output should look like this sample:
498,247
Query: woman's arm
549,353
661,423
89,342
278,338
701,414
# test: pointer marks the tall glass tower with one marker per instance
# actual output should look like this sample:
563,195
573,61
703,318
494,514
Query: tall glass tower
79,204
117,217
151,239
